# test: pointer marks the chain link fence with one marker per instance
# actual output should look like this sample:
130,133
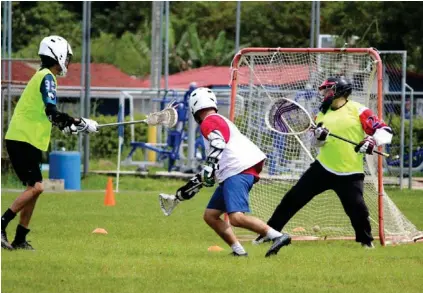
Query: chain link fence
401,108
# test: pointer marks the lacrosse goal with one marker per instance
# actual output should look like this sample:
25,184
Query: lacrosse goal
260,75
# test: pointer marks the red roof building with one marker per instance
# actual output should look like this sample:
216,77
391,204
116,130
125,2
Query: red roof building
203,76
102,75
106,75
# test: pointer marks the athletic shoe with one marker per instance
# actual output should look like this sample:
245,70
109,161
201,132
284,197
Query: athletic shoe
4,242
260,240
368,245
233,253
278,243
23,245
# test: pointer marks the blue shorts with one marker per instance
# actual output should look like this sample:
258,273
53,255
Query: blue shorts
232,194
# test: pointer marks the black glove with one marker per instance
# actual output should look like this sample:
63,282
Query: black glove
190,189
68,126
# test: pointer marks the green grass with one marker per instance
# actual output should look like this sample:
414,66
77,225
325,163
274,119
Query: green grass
148,252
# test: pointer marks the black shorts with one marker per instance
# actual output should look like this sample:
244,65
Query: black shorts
26,161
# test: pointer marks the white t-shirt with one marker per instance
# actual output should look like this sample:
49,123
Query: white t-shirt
240,155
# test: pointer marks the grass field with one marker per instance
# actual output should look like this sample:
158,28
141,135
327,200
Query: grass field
147,252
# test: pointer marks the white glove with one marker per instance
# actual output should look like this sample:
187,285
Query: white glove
87,126
366,146
208,173
71,129
320,132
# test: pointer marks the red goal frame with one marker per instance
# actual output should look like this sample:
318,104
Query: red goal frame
369,51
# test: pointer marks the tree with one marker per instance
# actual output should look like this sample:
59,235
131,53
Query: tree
379,24
191,51
31,23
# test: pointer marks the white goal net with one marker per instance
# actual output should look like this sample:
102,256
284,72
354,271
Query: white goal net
261,75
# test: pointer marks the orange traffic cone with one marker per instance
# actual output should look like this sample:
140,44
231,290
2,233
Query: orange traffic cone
215,248
109,199
99,231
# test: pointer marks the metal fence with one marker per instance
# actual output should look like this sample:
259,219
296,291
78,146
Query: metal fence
401,104
401,107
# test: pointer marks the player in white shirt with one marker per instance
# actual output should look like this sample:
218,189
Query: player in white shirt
235,162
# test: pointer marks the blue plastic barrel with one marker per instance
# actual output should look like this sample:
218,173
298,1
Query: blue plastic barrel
67,166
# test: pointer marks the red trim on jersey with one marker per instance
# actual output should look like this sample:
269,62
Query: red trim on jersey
215,122
370,122
255,170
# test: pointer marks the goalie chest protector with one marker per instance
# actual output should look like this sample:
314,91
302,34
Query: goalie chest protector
239,154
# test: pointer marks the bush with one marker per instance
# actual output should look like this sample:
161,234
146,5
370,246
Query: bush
395,123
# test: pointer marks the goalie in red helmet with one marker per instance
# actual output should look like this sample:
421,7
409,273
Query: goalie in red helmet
338,166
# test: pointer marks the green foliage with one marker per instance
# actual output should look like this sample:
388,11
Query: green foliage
104,144
395,123
31,23
203,33
130,53
192,51
386,26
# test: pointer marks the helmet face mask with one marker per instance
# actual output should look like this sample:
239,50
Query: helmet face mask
58,49
333,88
327,93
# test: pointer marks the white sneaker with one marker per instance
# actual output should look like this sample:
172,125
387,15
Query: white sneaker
368,245
260,240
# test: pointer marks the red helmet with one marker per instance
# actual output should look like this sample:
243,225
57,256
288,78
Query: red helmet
333,88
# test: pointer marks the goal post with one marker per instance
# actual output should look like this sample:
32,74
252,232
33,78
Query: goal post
260,75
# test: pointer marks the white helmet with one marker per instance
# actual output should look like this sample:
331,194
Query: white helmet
57,48
202,98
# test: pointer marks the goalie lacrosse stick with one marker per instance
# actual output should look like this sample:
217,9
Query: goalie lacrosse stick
168,202
167,117
287,117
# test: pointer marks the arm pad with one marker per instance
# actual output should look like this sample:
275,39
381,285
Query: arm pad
58,119
383,136
190,189
217,145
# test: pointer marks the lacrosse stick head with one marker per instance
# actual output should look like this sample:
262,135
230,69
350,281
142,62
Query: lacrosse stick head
167,203
167,117
287,117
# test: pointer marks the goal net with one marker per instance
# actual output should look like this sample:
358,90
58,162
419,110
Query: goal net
260,75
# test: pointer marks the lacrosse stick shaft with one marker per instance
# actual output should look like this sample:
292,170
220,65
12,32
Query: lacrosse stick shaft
194,187
122,123
354,143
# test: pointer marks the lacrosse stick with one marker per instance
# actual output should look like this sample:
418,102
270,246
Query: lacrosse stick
168,202
290,118
167,117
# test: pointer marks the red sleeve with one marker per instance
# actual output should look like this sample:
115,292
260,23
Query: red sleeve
215,122
370,121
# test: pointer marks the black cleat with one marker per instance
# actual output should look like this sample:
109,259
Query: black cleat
4,242
278,243
233,253
23,245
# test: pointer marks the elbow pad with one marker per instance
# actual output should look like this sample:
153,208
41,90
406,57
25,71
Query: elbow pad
383,136
217,145
57,118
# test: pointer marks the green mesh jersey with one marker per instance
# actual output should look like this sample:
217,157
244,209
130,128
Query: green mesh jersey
29,122
336,155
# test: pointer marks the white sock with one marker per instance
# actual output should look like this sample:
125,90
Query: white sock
237,248
272,233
